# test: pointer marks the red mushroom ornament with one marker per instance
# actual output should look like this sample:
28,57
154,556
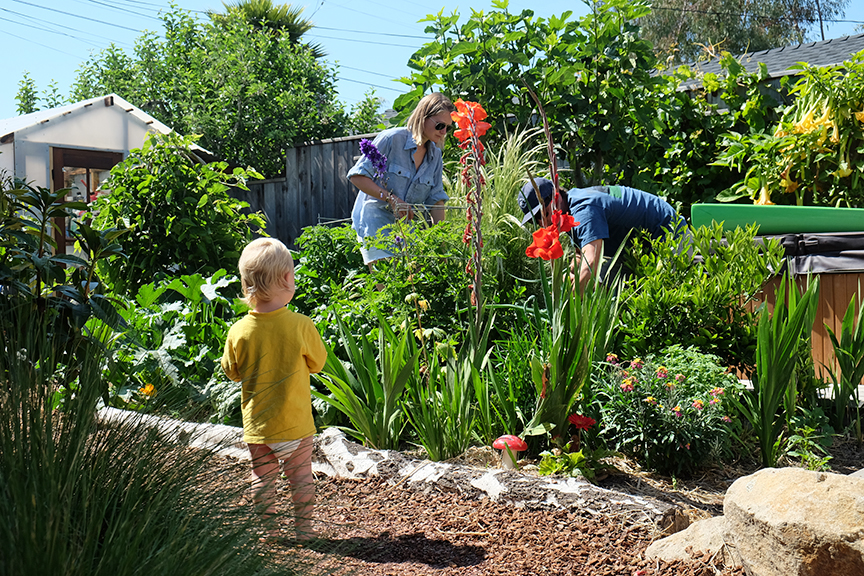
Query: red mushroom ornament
510,447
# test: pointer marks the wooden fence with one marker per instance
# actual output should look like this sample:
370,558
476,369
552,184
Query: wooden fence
315,189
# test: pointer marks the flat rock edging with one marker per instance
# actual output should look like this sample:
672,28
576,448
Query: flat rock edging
336,456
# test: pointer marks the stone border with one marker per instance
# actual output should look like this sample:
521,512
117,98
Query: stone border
336,456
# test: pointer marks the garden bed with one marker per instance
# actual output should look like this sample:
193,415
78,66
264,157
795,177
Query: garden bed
379,526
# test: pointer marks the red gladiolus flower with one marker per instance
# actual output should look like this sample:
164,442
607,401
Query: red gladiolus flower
461,134
563,222
468,116
581,422
545,245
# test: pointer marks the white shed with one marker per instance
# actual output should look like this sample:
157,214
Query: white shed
73,146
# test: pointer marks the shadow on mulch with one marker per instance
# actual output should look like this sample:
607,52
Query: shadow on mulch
386,548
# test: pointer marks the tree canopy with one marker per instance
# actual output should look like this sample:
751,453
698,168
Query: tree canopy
247,91
684,29
274,18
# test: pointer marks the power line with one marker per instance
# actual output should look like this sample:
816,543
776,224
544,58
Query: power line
368,84
372,33
43,29
76,15
750,14
37,43
354,40
376,16
124,10
388,76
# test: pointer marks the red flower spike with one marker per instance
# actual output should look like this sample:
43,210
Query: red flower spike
545,245
563,222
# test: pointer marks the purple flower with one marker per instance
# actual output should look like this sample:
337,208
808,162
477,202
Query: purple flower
379,161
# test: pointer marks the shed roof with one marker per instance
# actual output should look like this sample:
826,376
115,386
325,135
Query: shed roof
11,125
779,60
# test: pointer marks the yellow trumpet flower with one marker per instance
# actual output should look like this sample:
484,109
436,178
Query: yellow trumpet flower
764,197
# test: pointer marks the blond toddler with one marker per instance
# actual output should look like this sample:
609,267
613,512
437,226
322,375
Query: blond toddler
271,352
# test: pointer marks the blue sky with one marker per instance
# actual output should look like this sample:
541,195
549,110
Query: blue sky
370,39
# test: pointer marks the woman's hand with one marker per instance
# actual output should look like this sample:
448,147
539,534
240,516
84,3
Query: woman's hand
400,209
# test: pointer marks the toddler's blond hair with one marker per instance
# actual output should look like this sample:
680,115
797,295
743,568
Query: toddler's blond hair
263,266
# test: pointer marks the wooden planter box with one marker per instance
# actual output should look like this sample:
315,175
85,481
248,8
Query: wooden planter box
835,292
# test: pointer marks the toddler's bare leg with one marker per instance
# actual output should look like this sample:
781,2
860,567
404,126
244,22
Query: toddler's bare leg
298,469
265,469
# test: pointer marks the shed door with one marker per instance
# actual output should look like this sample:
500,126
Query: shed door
82,171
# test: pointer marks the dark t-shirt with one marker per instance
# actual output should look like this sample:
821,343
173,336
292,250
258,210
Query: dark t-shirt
609,213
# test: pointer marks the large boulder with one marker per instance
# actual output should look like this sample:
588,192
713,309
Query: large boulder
704,538
793,522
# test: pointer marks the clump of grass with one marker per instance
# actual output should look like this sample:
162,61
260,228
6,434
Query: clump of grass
77,497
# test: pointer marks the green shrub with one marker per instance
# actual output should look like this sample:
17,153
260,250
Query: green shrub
329,260
64,289
673,300
670,412
181,217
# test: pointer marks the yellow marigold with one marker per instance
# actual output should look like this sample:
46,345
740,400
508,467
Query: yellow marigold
147,390
860,116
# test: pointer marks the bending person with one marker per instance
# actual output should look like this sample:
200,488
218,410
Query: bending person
412,176
606,215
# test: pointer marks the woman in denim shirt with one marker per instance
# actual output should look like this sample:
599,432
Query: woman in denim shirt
412,178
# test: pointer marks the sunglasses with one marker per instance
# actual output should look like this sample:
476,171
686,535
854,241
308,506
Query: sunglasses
442,126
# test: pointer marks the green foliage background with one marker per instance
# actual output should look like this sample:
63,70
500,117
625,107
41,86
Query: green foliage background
180,217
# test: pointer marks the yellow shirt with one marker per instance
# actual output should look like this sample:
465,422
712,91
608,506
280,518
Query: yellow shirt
272,355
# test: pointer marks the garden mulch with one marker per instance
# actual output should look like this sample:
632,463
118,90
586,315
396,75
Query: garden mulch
374,527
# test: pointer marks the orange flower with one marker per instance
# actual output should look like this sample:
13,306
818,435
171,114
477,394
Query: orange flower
468,118
545,244
147,390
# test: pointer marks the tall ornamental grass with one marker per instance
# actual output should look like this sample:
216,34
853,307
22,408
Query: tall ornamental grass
80,498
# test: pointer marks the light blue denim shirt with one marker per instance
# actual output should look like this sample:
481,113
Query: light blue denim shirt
410,184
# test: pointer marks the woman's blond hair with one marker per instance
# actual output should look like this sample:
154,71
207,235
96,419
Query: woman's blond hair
263,266
430,105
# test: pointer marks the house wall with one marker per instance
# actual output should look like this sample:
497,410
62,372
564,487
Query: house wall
7,159
110,128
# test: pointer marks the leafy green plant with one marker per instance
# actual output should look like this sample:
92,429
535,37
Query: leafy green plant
668,410
181,218
329,259
369,389
777,352
172,347
586,463
440,407
813,154
672,300
809,439
510,369
849,352
65,289
575,330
